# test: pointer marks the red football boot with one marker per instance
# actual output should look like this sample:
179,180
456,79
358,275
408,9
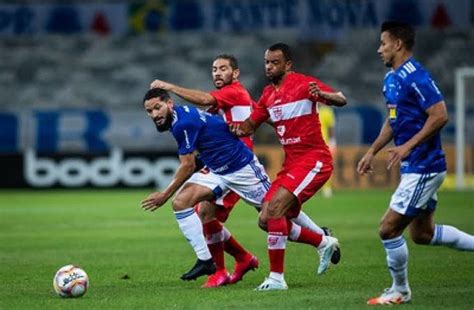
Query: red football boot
241,268
219,278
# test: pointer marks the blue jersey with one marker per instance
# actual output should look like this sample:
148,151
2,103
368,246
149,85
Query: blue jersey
209,135
409,91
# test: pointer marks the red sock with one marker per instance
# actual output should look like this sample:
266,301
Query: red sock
233,247
277,236
213,233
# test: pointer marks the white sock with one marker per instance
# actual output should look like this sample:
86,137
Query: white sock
323,243
294,232
305,221
397,261
277,276
225,234
453,238
191,226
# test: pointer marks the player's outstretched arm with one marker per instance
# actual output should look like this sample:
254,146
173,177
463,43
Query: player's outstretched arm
246,128
385,136
333,98
437,118
185,170
194,96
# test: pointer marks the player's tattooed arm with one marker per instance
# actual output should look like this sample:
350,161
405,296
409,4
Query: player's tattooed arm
185,170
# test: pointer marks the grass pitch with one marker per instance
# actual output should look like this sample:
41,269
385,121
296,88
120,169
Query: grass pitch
109,236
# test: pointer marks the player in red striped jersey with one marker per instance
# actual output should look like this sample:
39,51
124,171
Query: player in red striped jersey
291,103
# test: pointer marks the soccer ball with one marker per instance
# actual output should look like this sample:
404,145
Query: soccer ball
70,281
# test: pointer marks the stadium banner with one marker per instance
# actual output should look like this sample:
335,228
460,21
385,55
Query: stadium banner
102,170
79,130
84,130
69,19
119,168
345,163
309,18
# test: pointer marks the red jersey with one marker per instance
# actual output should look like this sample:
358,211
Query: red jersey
233,104
294,113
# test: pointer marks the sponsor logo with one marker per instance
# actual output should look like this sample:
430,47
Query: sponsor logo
290,140
100,171
281,130
186,138
220,169
255,194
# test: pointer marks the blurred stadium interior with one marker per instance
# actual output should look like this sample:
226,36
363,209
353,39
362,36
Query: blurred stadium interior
75,88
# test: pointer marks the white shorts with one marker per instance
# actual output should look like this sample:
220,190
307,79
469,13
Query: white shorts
251,182
417,192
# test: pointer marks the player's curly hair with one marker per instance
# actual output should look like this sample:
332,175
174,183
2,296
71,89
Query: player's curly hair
156,93
400,30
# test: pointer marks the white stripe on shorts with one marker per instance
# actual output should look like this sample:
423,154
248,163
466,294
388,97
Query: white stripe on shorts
308,178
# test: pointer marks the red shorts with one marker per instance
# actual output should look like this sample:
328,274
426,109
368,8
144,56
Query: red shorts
303,179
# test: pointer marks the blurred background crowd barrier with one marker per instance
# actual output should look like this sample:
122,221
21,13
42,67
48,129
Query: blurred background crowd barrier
73,74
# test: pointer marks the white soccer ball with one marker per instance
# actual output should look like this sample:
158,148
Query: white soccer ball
70,281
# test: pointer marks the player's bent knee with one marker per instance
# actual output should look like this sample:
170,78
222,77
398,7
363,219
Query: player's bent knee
178,204
423,238
206,216
262,223
203,213
275,208
386,232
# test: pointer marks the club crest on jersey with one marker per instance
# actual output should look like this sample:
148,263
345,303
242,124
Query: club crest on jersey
277,113
281,130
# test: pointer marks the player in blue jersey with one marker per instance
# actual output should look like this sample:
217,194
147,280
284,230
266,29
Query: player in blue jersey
416,114
232,167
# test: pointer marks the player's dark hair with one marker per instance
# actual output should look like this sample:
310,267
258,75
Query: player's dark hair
234,64
284,48
400,30
156,93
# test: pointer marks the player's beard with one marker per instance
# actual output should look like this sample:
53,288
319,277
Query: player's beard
389,62
222,84
275,78
166,125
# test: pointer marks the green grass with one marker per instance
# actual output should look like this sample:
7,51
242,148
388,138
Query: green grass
107,234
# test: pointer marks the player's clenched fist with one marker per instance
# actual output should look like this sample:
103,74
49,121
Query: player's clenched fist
160,84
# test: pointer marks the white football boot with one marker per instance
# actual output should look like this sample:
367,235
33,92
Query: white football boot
271,284
390,296
325,253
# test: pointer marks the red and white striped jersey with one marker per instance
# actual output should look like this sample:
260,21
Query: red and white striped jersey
294,114
234,105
